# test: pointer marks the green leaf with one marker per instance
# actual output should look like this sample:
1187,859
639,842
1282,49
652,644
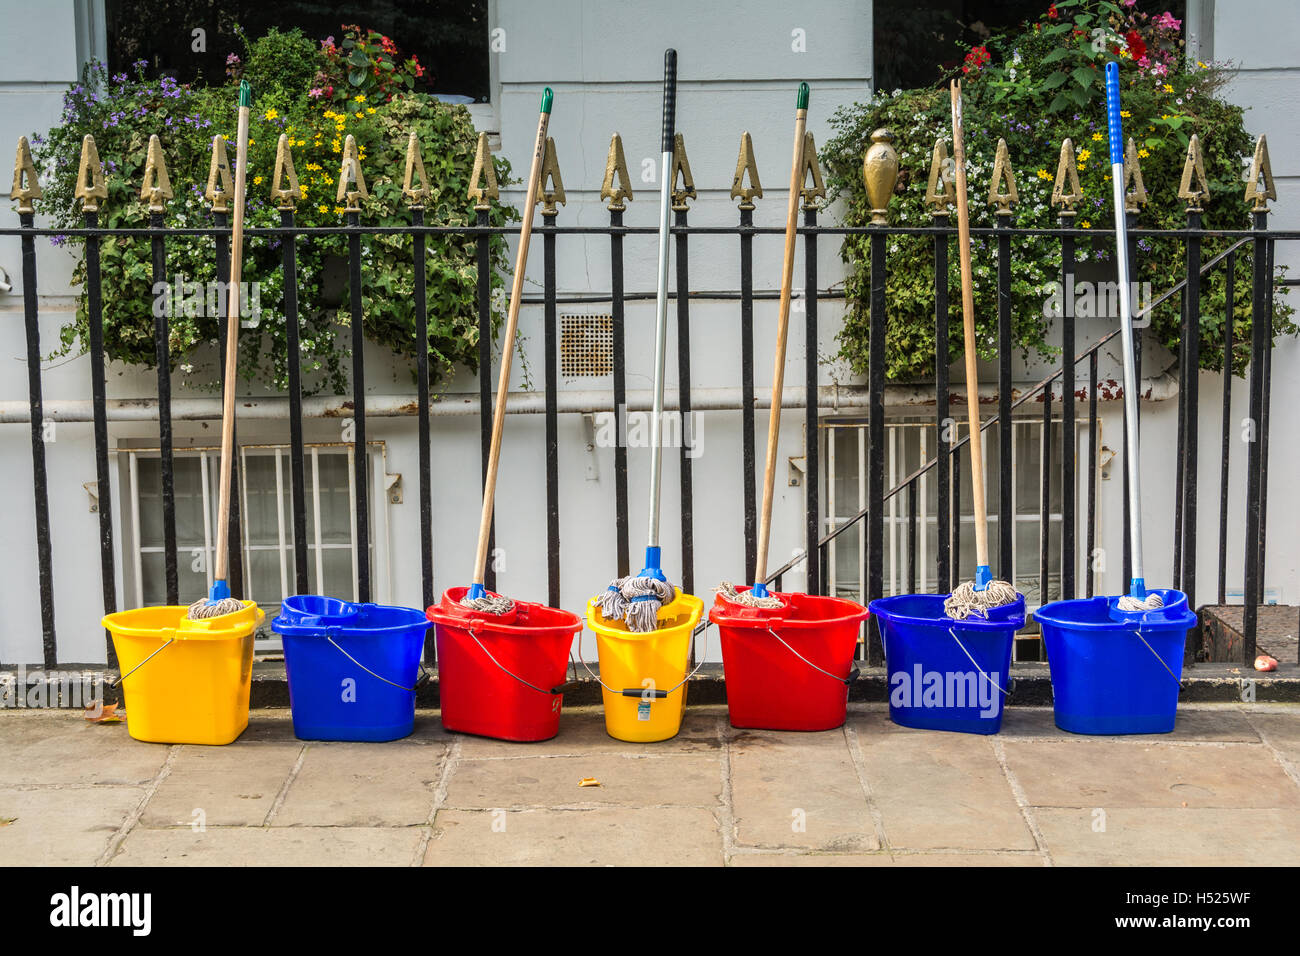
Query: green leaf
1060,53
1053,81
1084,75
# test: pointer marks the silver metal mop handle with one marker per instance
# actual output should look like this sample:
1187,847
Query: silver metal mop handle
1131,452
661,297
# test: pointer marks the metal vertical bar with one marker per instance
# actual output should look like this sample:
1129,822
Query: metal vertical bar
422,386
748,493
944,425
1191,423
911,536
162,357
281,537
361,487
831,473
133,474
954,503
1254,458
318,537
208,549
864,563
621,544
1229,308
1045,495
552,419
234,533
1006,438
485,376
1068,518
812,466
353,480
876,460
684,404
892,512
1264,425
297,477
1092,473
44,545
99,398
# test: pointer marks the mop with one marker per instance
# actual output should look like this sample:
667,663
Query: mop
758,595
478,598
219,602
984,592
1137,600
636,599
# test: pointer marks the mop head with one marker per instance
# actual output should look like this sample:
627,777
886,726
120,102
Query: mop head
1129,604
204,608
635,600
965,601
747,598
488,604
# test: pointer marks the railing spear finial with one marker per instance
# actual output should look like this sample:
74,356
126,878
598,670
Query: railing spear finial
90,177
746,166
617,185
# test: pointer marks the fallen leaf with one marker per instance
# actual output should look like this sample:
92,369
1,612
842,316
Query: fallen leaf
5,821
589,782
98,712
1265,662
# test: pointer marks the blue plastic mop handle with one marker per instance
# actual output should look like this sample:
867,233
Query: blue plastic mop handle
983,578
759,589
652,569
1113,120
219,591
1138,588
476,591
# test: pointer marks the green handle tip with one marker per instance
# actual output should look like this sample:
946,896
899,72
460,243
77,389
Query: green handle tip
245,94
547,96
802,102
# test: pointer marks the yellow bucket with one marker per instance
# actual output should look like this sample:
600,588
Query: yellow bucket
636,668
185,682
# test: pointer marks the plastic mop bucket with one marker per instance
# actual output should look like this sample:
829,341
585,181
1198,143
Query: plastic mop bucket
502,676
946,674
183,681
1115,672
643,675
789,668
352,668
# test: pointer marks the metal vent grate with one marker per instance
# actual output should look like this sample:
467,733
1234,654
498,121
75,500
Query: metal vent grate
586,345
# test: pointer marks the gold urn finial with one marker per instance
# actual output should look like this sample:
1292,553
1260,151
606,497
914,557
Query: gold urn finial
880,173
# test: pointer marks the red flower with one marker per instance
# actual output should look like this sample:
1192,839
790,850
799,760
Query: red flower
1051,12
1137,48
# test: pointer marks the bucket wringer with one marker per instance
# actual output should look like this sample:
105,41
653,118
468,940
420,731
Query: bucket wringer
788,657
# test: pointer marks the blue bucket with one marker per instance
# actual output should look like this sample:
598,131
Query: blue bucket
946,674
1115,672
351,667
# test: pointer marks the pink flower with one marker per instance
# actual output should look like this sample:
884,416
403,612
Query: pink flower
315,92
1166,21
1129,3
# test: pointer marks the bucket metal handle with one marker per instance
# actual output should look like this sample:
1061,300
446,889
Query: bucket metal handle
553,692
953,632
1138,632
846,681
169,640
645,692
368,670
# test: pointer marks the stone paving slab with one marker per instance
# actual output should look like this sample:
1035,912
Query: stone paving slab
61,747
221,786
660,836
798,790
626,780
64,827
886,859
362,785
1216,723
582,731
1171,837
1127,773
272,846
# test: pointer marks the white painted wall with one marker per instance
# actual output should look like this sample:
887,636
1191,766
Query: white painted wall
737,72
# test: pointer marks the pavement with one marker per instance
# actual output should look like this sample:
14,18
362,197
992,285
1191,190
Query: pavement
1223,788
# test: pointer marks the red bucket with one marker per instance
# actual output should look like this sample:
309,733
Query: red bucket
789,668
502,676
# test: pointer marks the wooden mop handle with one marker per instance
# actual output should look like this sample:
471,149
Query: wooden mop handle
232,337
508,343
782,330
968,335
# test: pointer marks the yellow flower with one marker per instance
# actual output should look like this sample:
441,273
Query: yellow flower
1082,167
1164,116
1125,114
1043,174
1084,155
271,114
359,115
359,98
301,142
1168,88
312,167
323,208
370,109
303,190
257,180
339,210
1096,137
1086,224
336,145
1143,154
1203,66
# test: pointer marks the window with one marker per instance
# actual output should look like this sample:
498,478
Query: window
266,522
909,445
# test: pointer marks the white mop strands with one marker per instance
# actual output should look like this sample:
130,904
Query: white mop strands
488,603
1129,603
635,600
748,598
965,600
